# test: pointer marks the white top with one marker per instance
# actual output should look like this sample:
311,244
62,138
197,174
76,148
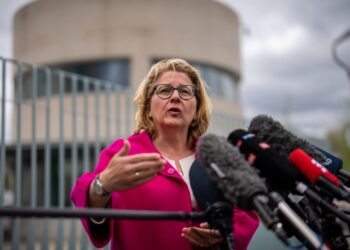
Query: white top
185,164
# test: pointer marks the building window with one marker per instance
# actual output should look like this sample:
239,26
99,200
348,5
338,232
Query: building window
221,83
114,71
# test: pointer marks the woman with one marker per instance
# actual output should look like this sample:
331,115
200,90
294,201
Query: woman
149,170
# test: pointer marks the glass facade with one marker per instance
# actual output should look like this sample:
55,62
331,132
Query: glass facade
221,83
114,71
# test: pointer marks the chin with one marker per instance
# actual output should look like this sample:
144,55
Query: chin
178,123
175,124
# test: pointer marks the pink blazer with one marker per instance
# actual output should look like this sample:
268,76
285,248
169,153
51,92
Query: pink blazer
166,192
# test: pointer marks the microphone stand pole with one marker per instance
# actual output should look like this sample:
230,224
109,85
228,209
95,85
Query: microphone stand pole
298,224
101,213
219,216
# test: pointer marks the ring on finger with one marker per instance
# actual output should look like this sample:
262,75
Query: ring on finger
137,173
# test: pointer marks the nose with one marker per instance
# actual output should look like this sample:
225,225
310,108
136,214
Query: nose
175,96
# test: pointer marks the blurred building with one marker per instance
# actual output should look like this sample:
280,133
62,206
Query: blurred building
117,41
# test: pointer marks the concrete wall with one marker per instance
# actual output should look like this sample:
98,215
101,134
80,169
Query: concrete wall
51,32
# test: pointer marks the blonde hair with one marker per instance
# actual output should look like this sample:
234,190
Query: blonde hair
144,93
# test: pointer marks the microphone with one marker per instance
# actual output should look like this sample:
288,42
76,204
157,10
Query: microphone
284,142
227,168
279,173
332,163
318,174
209,198
281,140
242,186
335,165
204,189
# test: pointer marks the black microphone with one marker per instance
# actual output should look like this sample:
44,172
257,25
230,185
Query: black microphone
335,166
284,142
281,140
227,168
242,186
204,189
219,211
279,173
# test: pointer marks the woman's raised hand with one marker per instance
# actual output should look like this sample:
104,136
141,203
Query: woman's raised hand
127,171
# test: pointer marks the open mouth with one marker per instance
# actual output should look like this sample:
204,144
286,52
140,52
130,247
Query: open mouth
174,110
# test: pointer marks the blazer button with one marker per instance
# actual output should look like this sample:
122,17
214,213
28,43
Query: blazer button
171,171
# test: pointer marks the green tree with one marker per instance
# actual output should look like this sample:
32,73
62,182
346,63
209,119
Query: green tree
340,145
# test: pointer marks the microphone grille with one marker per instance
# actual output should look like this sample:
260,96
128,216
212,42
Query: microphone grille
226,166
280,139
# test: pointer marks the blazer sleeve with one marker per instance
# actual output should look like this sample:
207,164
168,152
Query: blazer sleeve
245,225
99,235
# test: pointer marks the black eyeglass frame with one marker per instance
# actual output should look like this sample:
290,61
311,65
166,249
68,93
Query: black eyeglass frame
156,87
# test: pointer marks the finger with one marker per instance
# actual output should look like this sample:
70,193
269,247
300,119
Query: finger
195,235
141,180
140,175
143,157
147,166
206,232
135,179
192,240
201,237
125,149
204,225
215,234
205,237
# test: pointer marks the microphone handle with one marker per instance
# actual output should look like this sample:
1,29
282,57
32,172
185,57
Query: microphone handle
297,222
260,205
313,215
329,186
345,176
269,218
313,196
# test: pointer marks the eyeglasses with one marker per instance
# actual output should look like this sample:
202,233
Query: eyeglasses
186,92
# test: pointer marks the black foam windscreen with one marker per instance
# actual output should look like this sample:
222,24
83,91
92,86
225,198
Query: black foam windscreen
227,167
204,189
278,171
280,139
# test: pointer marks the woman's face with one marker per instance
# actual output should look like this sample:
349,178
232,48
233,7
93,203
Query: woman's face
173,111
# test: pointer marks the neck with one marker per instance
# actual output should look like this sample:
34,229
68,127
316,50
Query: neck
173,145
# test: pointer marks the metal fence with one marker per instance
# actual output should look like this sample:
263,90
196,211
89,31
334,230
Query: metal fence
53,126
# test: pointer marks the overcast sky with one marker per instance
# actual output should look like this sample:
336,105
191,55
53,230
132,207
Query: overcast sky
288,69
289,72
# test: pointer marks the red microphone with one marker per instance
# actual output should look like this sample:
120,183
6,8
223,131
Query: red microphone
311,168
317,174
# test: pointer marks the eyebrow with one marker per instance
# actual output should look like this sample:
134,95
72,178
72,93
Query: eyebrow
181,84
